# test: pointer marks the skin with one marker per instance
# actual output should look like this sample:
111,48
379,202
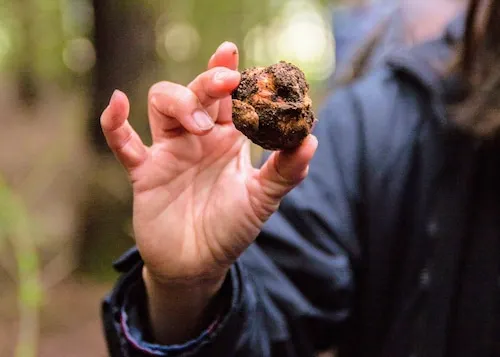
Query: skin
426,19
198,202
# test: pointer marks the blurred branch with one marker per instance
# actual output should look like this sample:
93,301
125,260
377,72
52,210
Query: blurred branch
15,224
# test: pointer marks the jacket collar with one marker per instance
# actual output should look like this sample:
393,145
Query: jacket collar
428,63
455,30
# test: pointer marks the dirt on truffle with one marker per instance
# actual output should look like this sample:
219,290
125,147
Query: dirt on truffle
271,106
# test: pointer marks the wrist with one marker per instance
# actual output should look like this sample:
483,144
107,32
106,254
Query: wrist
180,310
206,284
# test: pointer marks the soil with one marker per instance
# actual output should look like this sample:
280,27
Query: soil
70,323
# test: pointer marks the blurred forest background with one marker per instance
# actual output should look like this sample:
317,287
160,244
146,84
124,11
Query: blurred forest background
65,204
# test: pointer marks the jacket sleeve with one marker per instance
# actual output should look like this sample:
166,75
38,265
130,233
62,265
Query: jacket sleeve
292,292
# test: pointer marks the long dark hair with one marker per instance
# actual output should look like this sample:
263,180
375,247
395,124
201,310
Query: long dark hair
478,70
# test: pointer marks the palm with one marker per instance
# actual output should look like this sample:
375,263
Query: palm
198,183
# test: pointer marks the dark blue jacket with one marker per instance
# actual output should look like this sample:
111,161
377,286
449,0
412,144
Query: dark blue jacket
354,26
391,246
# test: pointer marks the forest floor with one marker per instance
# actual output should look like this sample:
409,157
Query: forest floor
70,323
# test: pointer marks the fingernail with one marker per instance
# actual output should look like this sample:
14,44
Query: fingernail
203,120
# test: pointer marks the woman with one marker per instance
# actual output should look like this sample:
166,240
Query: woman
390,247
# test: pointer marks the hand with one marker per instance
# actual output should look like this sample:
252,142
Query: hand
198,202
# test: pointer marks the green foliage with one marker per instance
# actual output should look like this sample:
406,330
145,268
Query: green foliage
35,33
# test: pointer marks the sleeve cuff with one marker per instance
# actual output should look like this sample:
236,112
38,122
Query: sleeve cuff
135,327
131,325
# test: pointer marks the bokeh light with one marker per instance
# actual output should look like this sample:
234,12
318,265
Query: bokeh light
178,41
299,34
79,55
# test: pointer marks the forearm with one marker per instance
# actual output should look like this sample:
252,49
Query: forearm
179,312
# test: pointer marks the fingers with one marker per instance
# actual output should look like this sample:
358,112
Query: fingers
173,107
284,170
120,136
225,56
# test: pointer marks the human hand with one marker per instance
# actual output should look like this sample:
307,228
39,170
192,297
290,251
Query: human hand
198,202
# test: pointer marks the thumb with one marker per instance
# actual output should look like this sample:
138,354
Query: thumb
283,171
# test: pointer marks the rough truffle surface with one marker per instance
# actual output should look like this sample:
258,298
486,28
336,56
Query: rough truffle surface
271,106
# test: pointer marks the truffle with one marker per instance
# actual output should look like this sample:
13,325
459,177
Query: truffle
271,106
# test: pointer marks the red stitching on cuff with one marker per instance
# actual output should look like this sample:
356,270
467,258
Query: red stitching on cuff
214,325
131,340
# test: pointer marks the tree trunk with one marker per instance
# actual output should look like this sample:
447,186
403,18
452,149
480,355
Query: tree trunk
125,51
26,84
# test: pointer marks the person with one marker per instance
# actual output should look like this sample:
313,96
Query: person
379,235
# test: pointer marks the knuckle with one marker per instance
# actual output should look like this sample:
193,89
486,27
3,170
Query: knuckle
170,98
279,173
207,78
170,91
207,85
158,88
185,97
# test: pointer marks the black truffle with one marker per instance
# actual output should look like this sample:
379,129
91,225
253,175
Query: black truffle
271,106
